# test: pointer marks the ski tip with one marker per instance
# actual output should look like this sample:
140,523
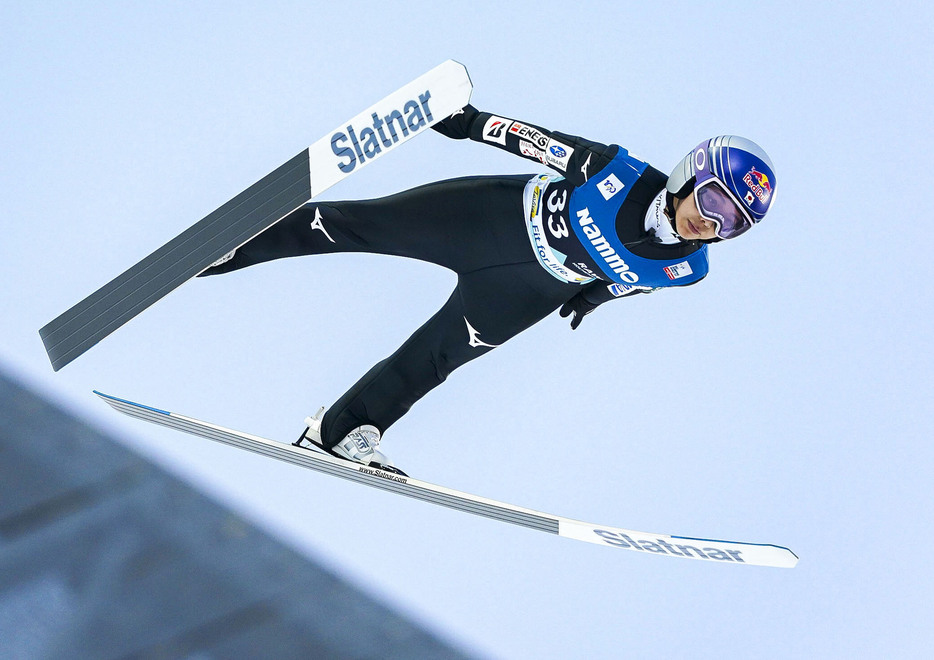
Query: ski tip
777,556
118,403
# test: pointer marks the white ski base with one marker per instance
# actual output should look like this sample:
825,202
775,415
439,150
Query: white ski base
724,552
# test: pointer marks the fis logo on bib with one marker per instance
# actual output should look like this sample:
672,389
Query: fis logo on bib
361,142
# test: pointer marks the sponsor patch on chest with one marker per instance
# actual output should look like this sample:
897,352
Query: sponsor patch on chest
677,271
610,186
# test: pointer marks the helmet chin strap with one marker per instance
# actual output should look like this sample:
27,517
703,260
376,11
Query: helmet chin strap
659,219
670,207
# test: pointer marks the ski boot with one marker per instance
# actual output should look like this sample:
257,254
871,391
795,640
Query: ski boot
361,445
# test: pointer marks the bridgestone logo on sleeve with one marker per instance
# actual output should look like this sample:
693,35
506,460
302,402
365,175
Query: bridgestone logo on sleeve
495,130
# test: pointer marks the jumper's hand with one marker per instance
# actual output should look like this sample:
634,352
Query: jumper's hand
579,306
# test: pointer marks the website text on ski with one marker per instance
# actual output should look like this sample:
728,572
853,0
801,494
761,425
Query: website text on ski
604,225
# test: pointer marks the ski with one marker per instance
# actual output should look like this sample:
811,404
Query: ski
397,118
710,550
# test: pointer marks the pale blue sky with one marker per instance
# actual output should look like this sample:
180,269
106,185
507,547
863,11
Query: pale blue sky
783,400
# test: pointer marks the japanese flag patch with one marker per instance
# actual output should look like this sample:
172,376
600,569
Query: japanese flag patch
678,270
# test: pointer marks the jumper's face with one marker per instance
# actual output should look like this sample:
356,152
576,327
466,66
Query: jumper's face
690,224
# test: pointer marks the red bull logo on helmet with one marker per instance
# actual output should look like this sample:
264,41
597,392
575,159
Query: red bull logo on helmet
759,184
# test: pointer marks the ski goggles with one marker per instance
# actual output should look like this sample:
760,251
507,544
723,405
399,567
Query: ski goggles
715,202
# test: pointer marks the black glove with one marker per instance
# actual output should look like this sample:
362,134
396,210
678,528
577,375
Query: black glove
457,126
580,306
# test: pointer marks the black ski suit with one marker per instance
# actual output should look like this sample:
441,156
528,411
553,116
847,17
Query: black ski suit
474,226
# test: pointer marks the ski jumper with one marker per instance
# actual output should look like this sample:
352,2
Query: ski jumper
522,246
